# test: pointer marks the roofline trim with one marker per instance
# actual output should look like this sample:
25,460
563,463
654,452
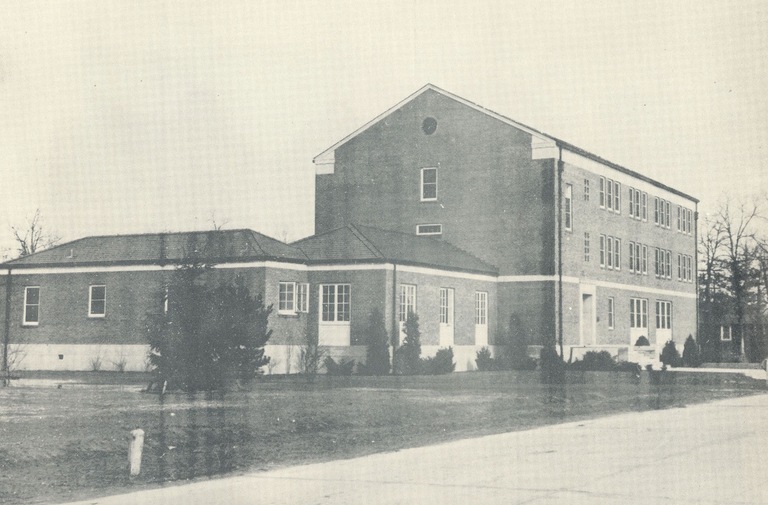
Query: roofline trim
324,157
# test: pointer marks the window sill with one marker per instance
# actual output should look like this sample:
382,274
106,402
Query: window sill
30,325
288,314
334,323
96,317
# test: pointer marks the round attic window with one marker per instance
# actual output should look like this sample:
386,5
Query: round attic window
429,125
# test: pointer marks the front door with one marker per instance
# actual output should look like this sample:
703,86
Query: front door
587,316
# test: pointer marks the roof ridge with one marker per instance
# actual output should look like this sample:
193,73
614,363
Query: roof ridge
366,242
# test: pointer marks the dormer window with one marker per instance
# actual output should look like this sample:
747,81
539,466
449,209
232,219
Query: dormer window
428,184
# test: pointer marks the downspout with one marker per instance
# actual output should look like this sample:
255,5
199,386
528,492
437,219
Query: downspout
560,168
7,329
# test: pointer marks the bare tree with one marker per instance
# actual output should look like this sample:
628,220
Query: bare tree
218,225
33,237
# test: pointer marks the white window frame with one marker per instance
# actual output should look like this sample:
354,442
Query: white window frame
668,269
656,213
423,185
420,229
586,246
481,308
611,313
723,333
617,253
341,312
645,260
667,213
302,297
638,313
663,315
586,190
602,251
446,307
91,299
286,298
609,194
631,257
568,194
24,321
407,301
602,193
617,197
631,202
637,204
609,253
645,206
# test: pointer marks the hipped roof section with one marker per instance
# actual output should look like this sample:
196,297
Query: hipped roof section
164,248
357,243
327,156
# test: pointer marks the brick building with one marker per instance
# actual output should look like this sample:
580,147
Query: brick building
485,227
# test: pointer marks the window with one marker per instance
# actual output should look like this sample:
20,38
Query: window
638,313
680,267
602,250
689,218
617,197
609,251
637,258
429,229
336,302
668,265
407,301
645,206
31,315
568,206
631,202
645,260
631,257
586,246
602,192
666,214
586,190
302,297
611,313
679,220
663,315
726,333
286,300
617,254
609,194
656,213
481,308
446,305
637,204
97,301
428,184
689,268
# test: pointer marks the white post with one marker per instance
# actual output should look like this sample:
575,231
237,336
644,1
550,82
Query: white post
134,451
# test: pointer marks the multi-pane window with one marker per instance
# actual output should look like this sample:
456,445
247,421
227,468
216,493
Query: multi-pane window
666,214
632,257
602,250
726,333
428,184
645,260
286,301
586,190
638,313
668,265
663,263
586,246
663,315
635,262
97,301
31,316
481,308
679,219
656,209
609,194
568,206
689,221
446,305
611,313
644,205
302,297
336,302
407,301
617,197
680,267
635,204
689,268
610,252
602,192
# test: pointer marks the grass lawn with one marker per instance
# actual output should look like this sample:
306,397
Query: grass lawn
71,443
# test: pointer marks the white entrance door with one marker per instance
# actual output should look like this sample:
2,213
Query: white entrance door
446,317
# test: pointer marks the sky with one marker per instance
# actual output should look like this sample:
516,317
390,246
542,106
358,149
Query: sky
150,116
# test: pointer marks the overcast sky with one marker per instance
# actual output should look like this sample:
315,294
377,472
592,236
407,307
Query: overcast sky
146,116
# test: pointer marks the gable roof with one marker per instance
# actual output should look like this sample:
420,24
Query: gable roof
540,138
162,248
320,158
357,243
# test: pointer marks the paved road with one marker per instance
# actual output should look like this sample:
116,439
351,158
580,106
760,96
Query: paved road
715,453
